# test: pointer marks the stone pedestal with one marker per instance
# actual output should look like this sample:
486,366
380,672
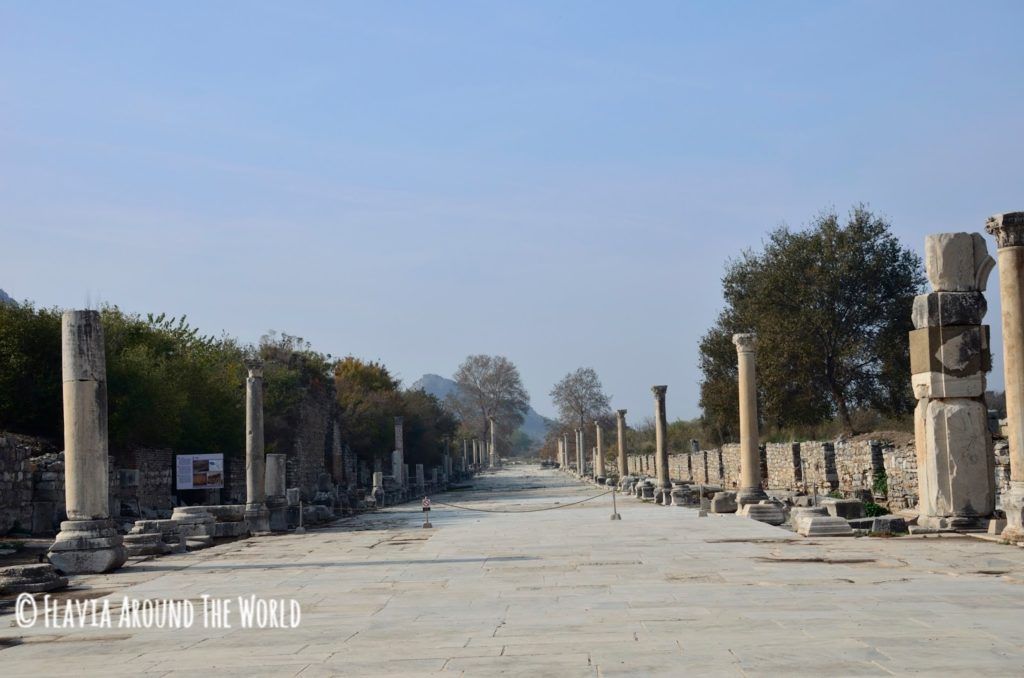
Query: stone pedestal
949,357
724,502
34,578
276,491
87,541
195,525
751,490
145,544
765,513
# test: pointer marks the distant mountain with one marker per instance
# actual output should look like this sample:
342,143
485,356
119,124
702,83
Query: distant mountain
6,299
535,426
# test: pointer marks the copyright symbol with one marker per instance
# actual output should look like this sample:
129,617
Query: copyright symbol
22,614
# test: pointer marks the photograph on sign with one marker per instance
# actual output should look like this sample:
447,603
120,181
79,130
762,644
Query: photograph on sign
200,471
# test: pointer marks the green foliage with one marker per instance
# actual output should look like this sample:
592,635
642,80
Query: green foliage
830,306
880,487
871,510
30,381
836,494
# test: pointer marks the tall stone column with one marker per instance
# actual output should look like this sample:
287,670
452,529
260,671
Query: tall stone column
465,455
663,489
87,542
399,453
599,457
565,450
275,489
256,515
751,491
492,459
620,424
1008,230
949,357
581,459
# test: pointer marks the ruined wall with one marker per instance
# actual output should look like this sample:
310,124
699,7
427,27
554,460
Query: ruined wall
16,480
849,467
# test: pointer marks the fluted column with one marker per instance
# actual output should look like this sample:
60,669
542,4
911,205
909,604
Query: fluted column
1008,230
751,491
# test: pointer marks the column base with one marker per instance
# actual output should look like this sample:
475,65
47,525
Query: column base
257,518
1013,505
750,495
953,522
87,547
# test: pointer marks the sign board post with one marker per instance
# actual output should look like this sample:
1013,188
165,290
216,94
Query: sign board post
426,512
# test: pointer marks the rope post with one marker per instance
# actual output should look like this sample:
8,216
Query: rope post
615,508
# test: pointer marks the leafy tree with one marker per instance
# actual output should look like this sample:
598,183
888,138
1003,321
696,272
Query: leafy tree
30,370
831,308
369,400
579,397
489,387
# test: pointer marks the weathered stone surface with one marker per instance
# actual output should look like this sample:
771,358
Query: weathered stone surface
34,578
227,513
957,350
230,529
723,502
959,485
765,513
799,515
145,544
888,525
936,309
957,262
824,526
996,526
844,508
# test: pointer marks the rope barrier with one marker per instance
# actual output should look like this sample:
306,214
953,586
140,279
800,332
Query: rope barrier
531,510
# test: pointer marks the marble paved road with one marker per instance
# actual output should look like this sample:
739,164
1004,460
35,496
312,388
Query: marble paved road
562,593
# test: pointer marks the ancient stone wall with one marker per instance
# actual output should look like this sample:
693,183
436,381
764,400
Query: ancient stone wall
16,453
849,467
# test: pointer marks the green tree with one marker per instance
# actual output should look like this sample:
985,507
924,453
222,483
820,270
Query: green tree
831,309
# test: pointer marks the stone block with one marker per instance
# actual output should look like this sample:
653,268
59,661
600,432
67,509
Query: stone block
937,309
799,515
888,525
824,526
723,502
844,508
765,513
953,350
957,262
958,477
996,526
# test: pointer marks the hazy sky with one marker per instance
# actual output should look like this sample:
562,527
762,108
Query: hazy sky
560,183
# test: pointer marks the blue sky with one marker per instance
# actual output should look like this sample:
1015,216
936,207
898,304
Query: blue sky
557,182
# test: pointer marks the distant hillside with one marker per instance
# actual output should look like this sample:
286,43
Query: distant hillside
6,299
535,425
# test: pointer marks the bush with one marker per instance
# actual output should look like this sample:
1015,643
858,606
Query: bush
871,510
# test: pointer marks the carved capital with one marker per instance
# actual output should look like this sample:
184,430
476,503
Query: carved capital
745,343
398,421
1007,228
621,413
659,391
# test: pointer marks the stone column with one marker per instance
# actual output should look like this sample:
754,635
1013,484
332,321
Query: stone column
949,357
581,459
399,447
420,480
275,491
663,488
87,542
565,449
599,458
620,424
1008,230
256,515
465,455
751,491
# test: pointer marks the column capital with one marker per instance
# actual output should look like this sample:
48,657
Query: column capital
1008,229
398,421
621,413
659,391
255,370
745,343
